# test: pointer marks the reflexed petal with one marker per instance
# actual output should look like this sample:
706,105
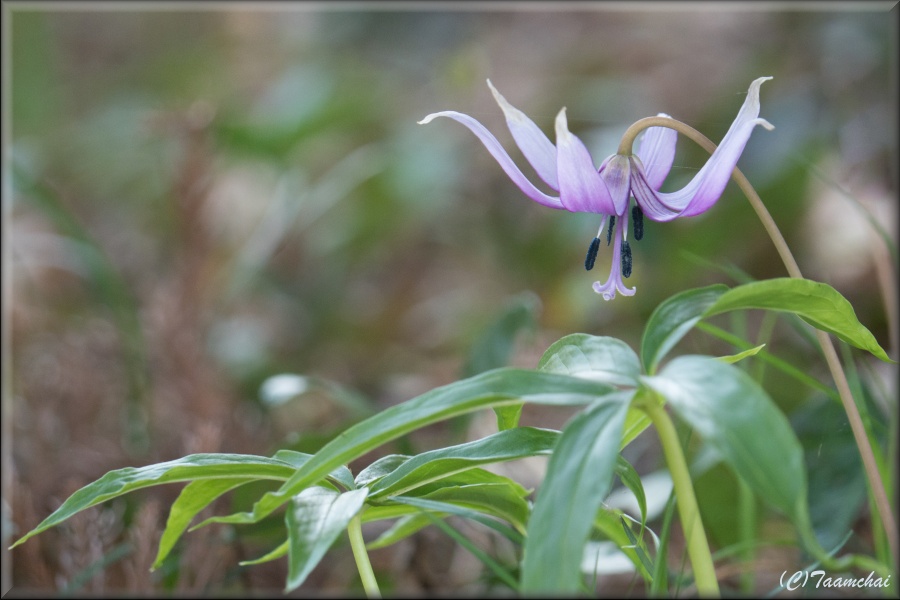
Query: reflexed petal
614,283
580,187
648,198
497,151
534,144
708,184
616,174
657,153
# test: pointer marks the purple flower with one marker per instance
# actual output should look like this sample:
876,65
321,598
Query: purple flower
568,169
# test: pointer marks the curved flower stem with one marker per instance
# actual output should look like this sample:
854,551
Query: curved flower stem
354,530
688,511
831,358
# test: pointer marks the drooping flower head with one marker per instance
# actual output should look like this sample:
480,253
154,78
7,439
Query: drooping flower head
622,182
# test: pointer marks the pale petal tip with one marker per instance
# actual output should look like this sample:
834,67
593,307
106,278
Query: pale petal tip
754,85
562,124
765,124
510,111
428,119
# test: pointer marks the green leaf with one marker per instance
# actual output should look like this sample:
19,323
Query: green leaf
579,476
340,475
500,387
733,358
430,466
508,416
402,529
439,508
631,480
478,489
636,421
385,511
316,517
191,467
782,365
195,496
611,524
504,500
499,571
275,554
818,304
672,320
736,417
592,357
378,469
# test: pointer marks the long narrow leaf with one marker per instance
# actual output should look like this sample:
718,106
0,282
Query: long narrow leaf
501,500
609,523
191,467
511,444
631,480
672,320
439,507
317,516
498,570
195,496
579,476
818,304
275,554
402,529
494,388
736,417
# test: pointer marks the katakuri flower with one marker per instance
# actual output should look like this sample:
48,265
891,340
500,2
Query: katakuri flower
621,182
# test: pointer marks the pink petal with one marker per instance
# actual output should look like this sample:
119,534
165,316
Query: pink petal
705,189
539,151
580,187
497,151
657,153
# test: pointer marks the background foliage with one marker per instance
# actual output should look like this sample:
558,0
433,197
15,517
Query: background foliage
228,234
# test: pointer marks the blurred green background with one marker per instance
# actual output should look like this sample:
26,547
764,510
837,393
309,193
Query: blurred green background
199,200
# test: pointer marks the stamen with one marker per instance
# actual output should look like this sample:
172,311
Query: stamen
612,223
592,254
626,259
637,215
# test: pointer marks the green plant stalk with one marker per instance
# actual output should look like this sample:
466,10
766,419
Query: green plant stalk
688,510
747,533
660,583
876,483
354,530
